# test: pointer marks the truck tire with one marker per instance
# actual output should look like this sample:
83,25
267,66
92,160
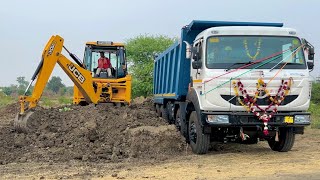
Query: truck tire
158,111
170,111
164,113
286,140
177,120
199,141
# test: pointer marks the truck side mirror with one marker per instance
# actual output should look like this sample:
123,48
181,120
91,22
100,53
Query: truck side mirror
311,53
309,47
197,64
195,55
310,65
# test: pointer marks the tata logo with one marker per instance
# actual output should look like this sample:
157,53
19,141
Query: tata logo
51,48
76,73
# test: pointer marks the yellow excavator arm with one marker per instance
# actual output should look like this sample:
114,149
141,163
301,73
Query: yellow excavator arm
52,55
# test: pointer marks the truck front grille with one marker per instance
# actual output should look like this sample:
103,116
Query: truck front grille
262,102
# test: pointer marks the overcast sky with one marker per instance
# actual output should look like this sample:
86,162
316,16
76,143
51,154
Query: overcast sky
26,26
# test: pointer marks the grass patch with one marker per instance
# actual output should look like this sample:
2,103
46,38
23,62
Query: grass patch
315,115
65,100
55,101
5,100
49,102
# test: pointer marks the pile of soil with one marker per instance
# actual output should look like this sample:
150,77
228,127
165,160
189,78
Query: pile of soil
89,133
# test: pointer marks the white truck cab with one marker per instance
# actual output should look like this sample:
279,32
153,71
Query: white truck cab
226,54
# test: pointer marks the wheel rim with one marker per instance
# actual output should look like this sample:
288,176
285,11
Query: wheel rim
193,132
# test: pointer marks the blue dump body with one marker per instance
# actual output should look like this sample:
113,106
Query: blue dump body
171,68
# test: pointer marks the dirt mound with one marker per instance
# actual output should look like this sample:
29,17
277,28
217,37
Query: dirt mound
7,113
90,133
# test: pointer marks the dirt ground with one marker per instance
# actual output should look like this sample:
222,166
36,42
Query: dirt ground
106,142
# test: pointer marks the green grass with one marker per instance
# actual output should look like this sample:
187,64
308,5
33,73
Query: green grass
315,115
44,101
65,100
5,100
55,101
48,102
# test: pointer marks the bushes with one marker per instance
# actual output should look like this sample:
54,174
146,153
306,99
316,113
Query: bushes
315,106
315,115
5,99
315,93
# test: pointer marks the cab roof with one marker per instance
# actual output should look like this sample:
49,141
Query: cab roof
109,44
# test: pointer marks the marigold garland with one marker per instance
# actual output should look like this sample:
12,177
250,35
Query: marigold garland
245,42
250,104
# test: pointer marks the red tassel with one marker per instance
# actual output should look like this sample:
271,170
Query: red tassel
265,132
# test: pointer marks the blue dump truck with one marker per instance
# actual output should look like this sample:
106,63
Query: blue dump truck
235,82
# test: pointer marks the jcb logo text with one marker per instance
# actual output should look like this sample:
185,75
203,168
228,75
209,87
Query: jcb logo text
76,73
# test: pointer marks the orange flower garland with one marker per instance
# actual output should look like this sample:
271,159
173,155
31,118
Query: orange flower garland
250,103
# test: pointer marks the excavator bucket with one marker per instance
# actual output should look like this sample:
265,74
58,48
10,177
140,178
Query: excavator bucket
21,122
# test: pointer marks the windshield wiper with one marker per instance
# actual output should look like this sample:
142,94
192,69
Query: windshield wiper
287,63
238,63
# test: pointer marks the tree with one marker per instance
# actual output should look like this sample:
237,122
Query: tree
22,84
55,84
140,54
8,91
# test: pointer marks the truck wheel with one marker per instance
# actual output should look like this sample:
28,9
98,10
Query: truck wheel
286,140
170,111
158,110
164,113
184,128
199,142
177,120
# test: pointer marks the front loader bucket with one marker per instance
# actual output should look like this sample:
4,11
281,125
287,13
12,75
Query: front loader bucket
21,122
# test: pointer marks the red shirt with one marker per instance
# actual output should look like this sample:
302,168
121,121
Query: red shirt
104,63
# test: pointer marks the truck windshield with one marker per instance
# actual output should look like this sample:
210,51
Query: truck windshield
235,51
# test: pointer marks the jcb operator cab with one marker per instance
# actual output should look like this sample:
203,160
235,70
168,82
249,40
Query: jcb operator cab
115,52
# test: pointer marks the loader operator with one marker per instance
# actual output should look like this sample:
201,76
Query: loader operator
104,65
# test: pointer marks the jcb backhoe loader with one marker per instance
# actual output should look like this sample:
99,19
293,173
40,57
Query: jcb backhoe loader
90,87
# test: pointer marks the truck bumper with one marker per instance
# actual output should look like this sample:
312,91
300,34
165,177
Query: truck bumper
244,119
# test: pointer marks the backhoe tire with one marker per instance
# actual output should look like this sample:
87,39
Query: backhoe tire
158,111
165,114
117,104
199,141
286,140
83,103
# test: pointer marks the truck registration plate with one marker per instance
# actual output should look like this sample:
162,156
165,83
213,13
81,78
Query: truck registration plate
288,119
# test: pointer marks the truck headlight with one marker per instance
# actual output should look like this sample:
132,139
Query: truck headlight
302,119
217,119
